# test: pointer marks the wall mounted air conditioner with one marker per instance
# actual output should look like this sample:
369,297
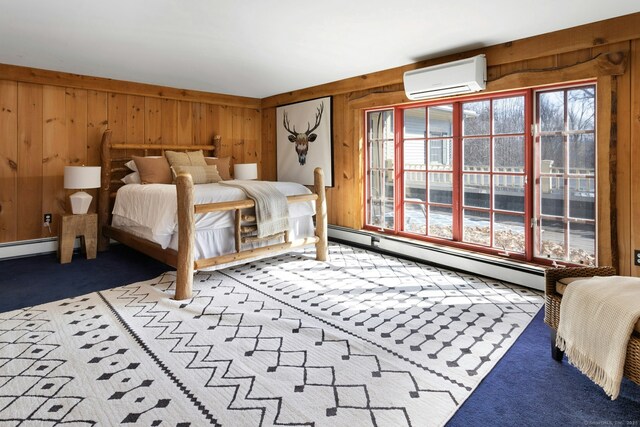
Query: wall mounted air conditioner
453,78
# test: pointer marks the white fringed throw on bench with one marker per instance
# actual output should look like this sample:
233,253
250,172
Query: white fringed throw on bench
597,316
272,208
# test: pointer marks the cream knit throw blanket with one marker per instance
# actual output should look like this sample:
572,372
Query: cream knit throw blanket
597,316
272,208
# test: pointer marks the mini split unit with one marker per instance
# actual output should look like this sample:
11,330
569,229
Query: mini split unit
453,78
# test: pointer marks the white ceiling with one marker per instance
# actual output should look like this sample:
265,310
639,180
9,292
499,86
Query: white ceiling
260,48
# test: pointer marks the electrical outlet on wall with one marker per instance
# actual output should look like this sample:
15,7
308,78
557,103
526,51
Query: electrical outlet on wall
636,257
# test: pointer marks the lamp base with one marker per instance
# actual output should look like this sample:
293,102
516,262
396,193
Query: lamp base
80,202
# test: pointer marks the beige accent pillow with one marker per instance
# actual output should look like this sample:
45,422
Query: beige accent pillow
199,174
223,164
190,158
153,170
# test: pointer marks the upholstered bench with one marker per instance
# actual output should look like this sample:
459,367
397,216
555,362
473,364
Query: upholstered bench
556,281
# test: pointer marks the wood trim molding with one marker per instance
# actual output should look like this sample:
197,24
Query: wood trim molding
604,64
586,36
57,78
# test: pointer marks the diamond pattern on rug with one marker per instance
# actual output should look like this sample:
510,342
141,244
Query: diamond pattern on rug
363,339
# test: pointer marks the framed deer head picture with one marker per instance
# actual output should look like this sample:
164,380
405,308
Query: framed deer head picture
304,141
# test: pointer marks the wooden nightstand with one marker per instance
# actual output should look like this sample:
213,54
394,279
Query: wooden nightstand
71,226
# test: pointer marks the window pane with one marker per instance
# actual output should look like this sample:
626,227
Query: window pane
415,155
415,186
581,108
415,218
582,154
440,121
475,154
552,239
389,154
475,118
508,193
552,196
508,115
508,232
475,227
441,154
508,154
582,239
477,190
552,154
551,111
582,198
415,123
381,124
440,222
441,187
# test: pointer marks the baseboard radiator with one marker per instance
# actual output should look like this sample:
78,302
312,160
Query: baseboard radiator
480,264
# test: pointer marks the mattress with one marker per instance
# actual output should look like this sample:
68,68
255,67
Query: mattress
150,212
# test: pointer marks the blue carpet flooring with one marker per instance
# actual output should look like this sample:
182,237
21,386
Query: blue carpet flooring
526,388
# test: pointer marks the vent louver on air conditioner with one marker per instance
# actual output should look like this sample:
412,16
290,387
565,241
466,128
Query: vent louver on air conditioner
453,78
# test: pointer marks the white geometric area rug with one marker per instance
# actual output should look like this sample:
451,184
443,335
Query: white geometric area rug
361,340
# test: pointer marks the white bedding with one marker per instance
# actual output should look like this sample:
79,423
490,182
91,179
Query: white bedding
150,211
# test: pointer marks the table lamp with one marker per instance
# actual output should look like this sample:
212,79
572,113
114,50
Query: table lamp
81,178
245,171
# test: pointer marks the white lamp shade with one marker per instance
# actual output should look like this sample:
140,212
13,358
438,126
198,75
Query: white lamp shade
245,171
81,177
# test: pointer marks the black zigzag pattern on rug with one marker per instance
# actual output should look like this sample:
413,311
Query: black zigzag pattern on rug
165,369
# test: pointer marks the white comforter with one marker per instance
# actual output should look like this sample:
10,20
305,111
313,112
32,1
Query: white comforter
153,207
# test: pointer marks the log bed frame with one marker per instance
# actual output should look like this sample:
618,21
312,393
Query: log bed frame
113,170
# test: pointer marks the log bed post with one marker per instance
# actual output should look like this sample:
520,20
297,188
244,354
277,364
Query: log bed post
104,204
186,236
322,249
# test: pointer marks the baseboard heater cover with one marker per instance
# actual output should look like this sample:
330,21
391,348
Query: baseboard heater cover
530,277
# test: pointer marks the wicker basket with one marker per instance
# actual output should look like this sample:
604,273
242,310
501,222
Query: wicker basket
552,310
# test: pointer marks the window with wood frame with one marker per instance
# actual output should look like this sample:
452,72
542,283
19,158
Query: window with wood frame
488,173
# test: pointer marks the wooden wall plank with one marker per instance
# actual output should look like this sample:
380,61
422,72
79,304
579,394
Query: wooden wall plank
8,160
251,137
135,119
117,116
97,120
169,121
55,154
237,141
268,145
225,126
153,120
185,123
29,161
212,123
76,115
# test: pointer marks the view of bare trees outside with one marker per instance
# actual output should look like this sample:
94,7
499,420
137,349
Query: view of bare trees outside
566,194
492,190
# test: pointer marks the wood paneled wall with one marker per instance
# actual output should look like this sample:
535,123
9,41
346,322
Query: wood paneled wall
606,51
45,126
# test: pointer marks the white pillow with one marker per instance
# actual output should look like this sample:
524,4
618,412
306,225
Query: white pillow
132,166
132,178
